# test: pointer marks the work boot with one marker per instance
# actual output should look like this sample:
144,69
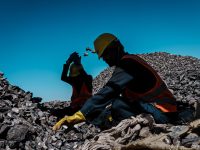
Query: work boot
197,110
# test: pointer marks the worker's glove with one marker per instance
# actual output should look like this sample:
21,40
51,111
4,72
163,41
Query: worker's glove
77,59
72,57
70,120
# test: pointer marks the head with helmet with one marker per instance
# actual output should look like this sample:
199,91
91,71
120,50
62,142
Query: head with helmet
75,70
108,47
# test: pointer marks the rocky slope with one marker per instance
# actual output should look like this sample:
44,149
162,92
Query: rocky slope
26,122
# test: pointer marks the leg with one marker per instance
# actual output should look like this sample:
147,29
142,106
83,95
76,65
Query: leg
119,110
158,115
101,119
122,109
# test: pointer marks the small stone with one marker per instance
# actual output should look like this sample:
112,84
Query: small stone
9,114
29,104
13,144
197,91
40,114
2,144
75,146
54,138
15,110
58,144
65,127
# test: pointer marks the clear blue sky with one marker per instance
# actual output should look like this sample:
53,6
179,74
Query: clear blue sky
37,36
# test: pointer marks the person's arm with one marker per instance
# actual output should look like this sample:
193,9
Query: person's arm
112,89
64,76
71,58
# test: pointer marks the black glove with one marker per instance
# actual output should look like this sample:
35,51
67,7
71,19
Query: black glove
77,60
72,57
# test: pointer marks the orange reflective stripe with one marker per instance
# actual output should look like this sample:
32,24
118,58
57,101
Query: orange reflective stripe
166,107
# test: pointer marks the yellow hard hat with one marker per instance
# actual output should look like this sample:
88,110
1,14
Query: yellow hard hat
102,42
75,70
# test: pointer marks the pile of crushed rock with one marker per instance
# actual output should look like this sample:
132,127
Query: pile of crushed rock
26,122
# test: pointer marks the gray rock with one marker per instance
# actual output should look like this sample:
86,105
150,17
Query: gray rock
17,133
15,110
3,130
1,117
2,144
13,144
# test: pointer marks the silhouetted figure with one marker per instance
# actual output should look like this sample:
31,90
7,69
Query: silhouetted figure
74,74
80,81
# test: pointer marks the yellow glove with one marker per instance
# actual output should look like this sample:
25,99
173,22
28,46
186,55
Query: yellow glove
70,120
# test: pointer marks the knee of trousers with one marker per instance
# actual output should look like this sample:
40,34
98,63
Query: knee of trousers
117,104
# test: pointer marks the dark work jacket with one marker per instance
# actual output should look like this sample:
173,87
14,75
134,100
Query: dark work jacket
81,86
128,76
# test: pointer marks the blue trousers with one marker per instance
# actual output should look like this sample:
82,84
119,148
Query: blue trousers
121,109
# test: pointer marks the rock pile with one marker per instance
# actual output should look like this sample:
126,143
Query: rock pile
181,74
26,122
102,79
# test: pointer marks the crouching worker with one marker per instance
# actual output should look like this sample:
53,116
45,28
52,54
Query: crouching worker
80,81
134,88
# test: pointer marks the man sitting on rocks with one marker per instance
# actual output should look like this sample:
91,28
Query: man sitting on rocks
134,88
